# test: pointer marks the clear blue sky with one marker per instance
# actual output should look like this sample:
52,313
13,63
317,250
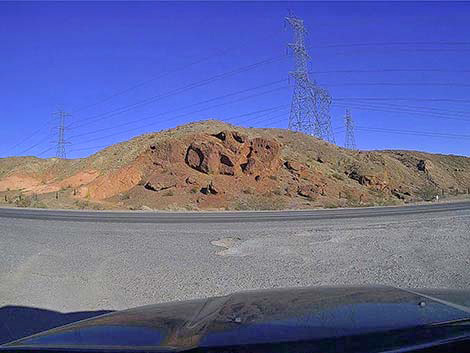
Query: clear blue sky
75,54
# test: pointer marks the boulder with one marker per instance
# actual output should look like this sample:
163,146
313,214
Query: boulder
158,187
250,167
378,182
215,188
263,158
425,166
226,165
232,141
203,156
401,195
293,166
310,191
212,189
230,153
190,180
159,182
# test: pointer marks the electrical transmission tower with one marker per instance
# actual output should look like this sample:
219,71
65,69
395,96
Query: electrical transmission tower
60,151
310,107
350,141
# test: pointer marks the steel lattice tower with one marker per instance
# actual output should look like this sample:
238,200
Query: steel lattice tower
60,151
310,107
349,141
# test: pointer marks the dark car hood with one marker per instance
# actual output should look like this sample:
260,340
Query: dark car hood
306,317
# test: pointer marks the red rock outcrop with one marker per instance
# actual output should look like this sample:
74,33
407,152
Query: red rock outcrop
229,153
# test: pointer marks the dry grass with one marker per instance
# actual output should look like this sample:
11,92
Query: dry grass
428,192
259,203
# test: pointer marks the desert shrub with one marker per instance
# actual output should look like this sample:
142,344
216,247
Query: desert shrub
331,205
352,201
277,192
259,203
248,191
273,177
381,194
124,196
23,202
169,193
383,202
427,192
82,204
194,190
337,176
38,204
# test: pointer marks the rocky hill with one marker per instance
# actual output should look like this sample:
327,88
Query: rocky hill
213,165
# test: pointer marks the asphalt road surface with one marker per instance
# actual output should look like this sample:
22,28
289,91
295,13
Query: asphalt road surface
227,217
73,261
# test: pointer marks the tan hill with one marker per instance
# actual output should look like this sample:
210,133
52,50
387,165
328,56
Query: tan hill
213,165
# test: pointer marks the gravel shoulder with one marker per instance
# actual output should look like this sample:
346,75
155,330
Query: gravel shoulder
72,266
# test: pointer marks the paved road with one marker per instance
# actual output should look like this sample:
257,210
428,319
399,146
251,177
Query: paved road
73,261
227,217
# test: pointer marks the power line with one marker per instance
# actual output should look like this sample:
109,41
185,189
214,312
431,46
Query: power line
381,44
450,100
193,85
27,138
414,132
263,111
225,51
88,148
181,108
360,106
385,104
197,111
266,111
337,130
140,84
414,113
403,132
22,141
251,119
45,151
388,70
222,52
380,51
35,145
175,117
441,84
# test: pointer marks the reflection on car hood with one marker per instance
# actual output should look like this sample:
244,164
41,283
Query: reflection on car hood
303,319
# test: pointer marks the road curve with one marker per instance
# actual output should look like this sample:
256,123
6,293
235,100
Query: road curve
226,217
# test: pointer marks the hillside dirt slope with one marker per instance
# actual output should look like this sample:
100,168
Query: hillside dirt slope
214,165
